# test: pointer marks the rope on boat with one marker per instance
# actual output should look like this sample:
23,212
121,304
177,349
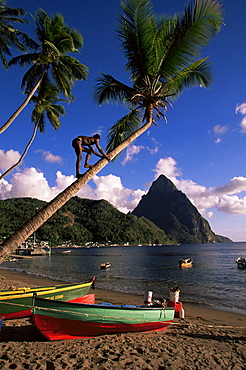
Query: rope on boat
15,304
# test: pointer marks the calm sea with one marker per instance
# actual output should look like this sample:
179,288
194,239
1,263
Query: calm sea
213,280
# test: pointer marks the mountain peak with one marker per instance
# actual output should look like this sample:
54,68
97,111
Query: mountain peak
163,184
171,210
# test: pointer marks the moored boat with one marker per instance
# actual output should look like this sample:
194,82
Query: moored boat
241,262
17,303
186,262
105,266
58,320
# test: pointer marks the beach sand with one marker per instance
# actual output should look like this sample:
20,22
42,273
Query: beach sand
205,339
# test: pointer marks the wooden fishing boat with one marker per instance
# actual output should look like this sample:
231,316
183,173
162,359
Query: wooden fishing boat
58,320
241,262
17,303
105,266
186,262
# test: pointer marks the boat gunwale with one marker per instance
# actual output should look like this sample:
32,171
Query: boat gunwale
102,306
45,291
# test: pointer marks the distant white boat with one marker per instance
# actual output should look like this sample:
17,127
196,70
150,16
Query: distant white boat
64,252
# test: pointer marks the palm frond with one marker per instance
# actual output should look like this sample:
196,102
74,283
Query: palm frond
46,105
75,69
191,32
9,35
109,89
24,60
196,74
31,77
136,30
122,129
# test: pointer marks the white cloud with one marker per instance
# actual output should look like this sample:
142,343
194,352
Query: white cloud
110,188
234,186
243,125
32,183
49,157
154,150
130,152
241,108
232,205
220,129
167,167
8,158
218,140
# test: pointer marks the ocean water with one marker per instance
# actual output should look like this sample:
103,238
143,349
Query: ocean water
213,280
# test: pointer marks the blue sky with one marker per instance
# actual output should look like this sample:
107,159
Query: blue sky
201,148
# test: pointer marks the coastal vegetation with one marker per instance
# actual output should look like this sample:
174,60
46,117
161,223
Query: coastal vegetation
81,222
163,59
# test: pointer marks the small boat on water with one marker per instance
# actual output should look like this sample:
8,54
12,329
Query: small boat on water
105,266
58,320
186,262
64,252
17,303
241,262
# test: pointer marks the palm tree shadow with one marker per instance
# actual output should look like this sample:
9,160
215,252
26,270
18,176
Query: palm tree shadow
211,336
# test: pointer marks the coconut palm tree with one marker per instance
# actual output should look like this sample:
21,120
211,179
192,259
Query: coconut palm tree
9,35
56,41
45,107
162,58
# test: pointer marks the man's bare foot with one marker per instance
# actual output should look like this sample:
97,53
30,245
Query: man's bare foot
88,166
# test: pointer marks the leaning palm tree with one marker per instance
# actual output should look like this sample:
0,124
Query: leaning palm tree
162,58
51,60
9,35
46,106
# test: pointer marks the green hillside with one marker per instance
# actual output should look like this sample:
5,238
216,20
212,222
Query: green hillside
81,221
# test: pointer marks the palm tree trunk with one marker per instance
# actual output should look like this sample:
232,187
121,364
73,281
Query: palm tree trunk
29,227
21,107
23,154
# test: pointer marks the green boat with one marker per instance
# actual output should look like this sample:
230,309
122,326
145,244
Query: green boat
17,303
58,320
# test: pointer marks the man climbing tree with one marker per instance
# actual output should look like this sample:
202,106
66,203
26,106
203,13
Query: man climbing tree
79,144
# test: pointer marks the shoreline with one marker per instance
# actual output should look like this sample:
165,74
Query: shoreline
117,297
206,338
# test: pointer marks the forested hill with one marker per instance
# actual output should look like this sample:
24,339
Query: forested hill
81,221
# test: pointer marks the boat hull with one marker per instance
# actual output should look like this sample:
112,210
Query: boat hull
18,303
64,320
186,263
241,263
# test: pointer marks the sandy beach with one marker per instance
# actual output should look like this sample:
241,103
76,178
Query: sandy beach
206,338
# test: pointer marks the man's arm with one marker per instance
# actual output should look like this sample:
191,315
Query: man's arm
102,152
